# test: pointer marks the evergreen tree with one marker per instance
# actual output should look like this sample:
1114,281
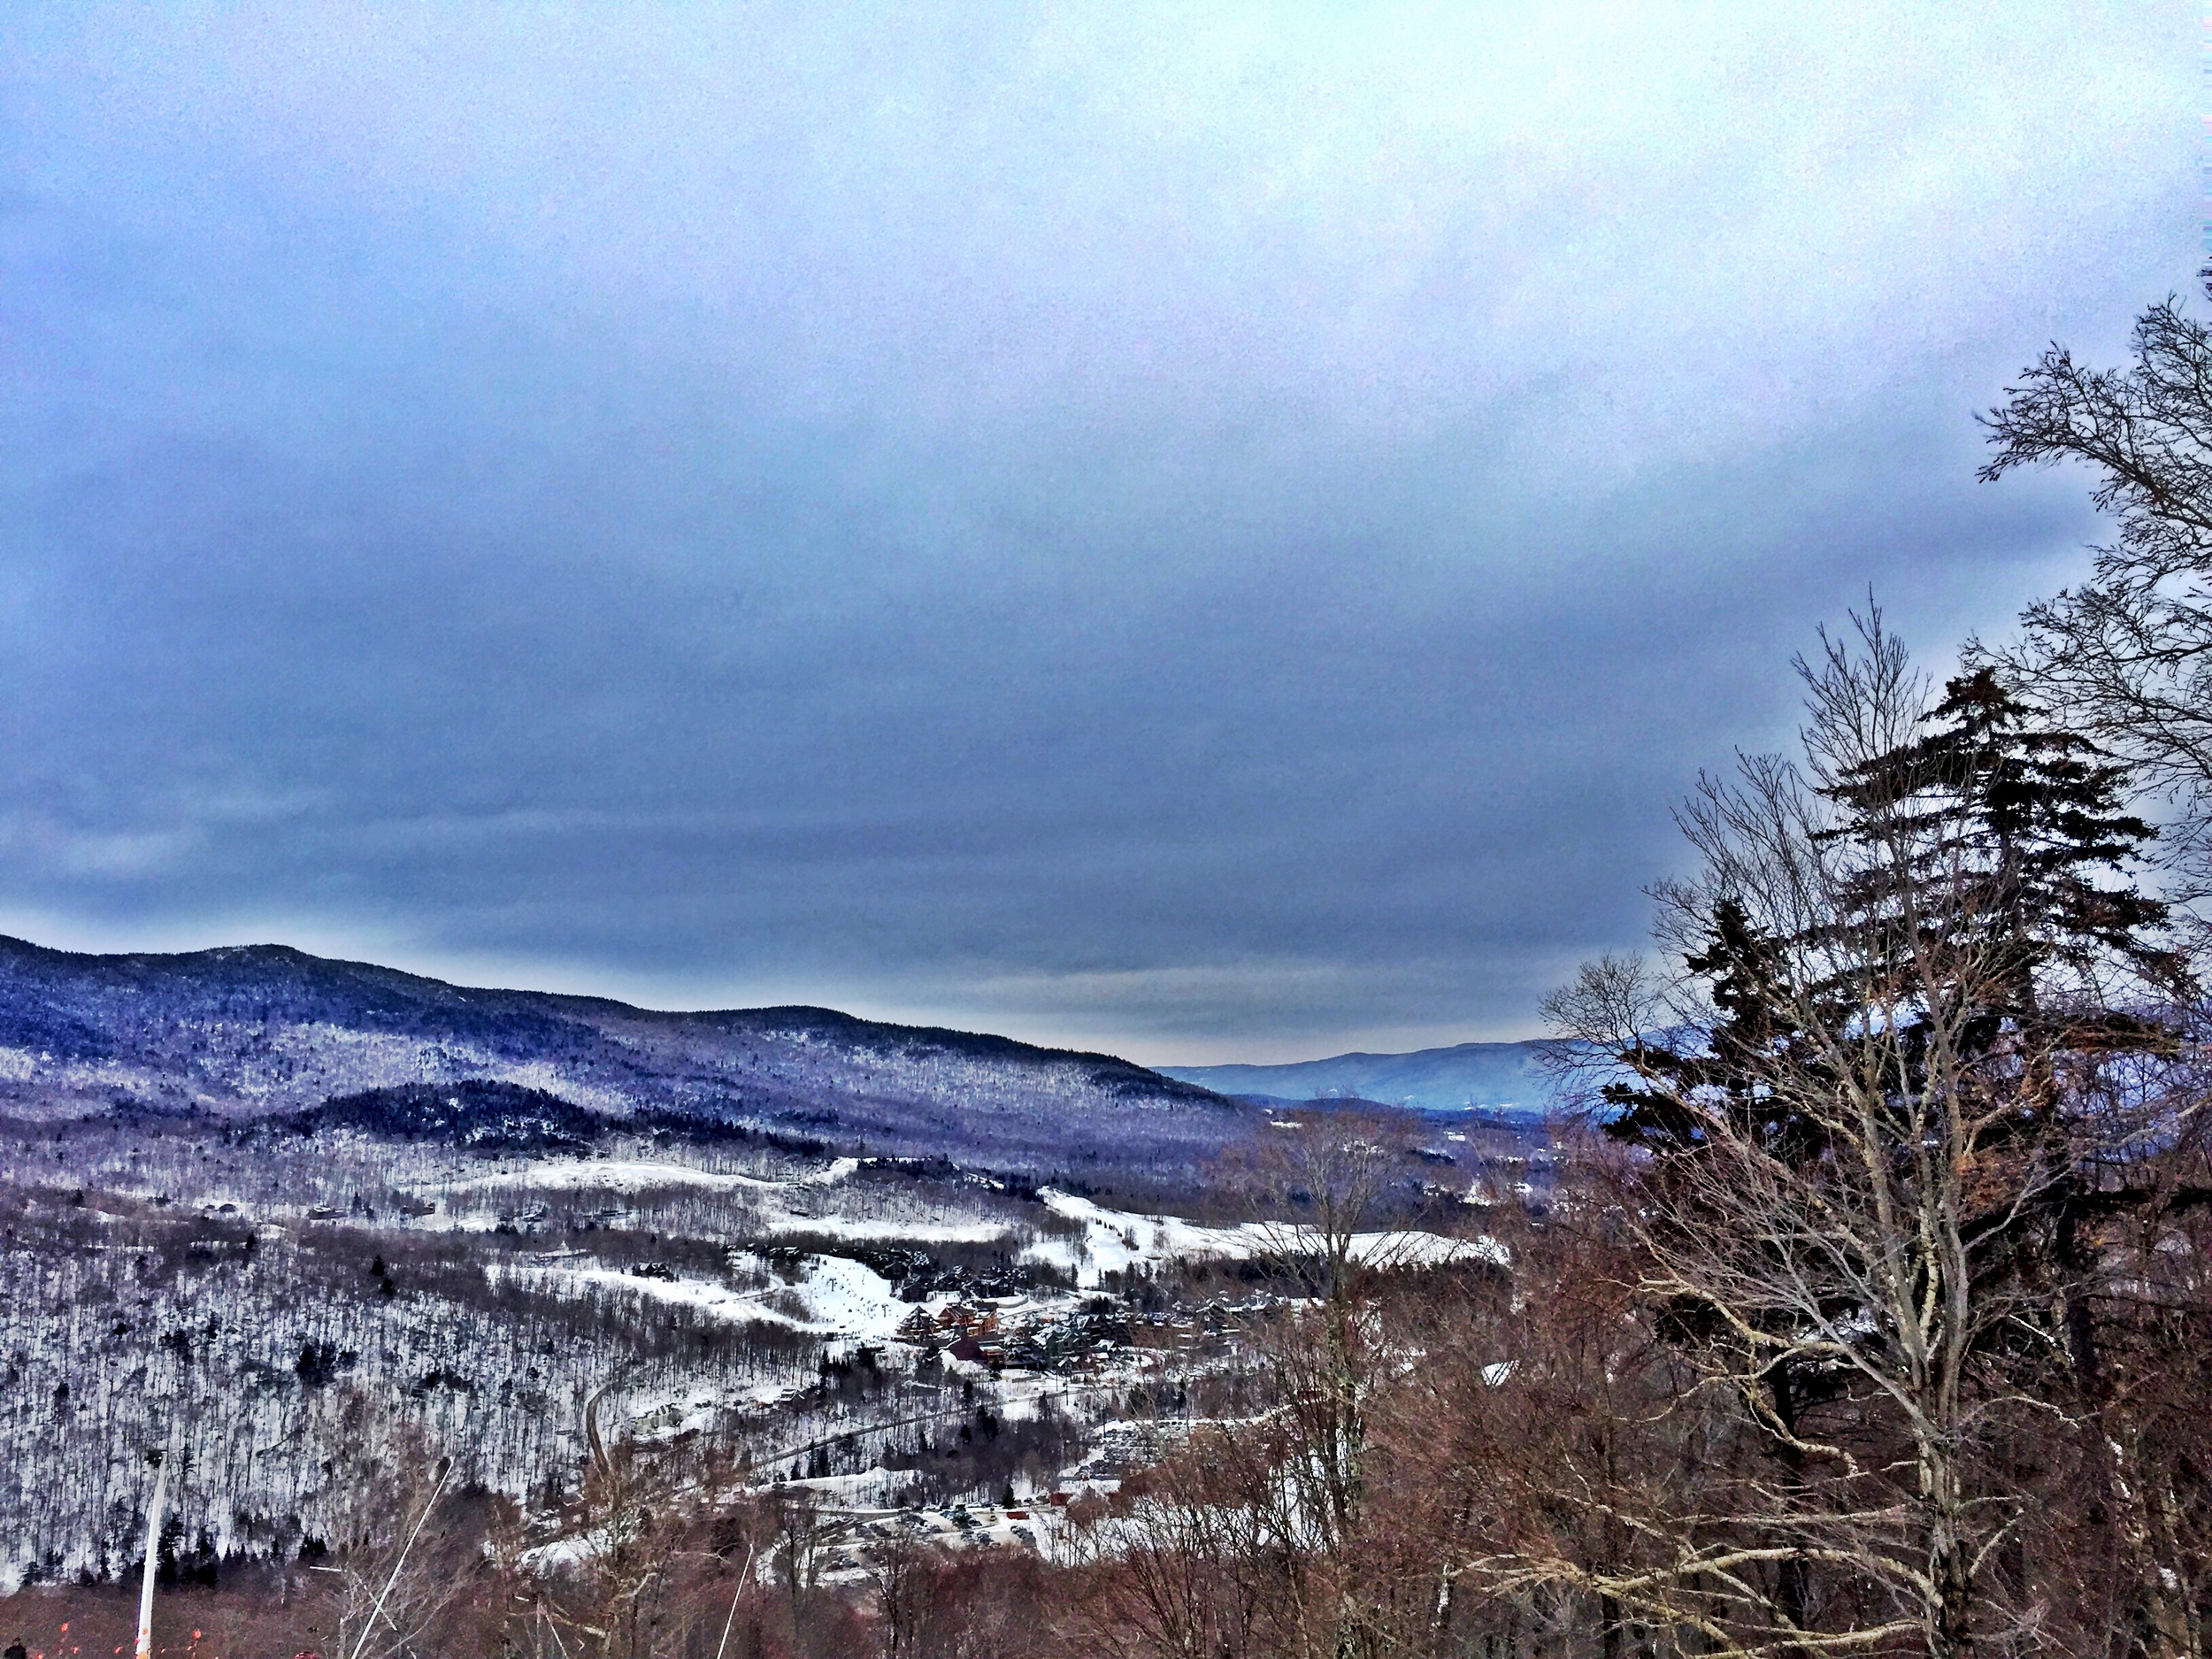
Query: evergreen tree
1873,1118
2007,822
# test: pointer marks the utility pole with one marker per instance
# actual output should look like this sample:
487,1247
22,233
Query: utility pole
145,1647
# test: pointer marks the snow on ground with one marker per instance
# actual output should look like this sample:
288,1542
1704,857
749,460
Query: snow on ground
465,1202
867,1493
842,1298
854,1298
1115,1240
613,1175
737,1305
1111,1240
446,1219
872,1231
1408,1249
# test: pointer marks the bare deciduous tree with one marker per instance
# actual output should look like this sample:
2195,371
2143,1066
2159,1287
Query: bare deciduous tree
2128,654
1844,1203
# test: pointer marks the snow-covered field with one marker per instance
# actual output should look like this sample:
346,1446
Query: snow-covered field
1115,1240
841,1299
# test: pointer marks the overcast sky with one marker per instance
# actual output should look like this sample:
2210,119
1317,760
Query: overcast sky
1216,533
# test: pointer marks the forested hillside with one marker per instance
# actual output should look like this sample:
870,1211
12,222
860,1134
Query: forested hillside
264,1028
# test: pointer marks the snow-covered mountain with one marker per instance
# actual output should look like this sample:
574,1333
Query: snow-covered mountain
1507,1077
308,1224
264,1029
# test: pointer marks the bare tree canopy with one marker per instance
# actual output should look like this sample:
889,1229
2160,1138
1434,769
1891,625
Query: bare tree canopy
2128,654
1881,1112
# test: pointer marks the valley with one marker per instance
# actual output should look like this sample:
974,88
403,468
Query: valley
307,1303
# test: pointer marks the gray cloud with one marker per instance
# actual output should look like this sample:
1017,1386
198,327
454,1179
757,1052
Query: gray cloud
1221,541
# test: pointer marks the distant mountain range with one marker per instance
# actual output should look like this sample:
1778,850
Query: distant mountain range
261,1030
1506,1077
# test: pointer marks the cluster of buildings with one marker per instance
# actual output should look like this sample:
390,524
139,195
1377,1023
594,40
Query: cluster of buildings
970,1332
967,1330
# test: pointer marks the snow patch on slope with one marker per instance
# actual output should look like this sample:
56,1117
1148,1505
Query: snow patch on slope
870,1230
607,1175
1115,1240
842,1298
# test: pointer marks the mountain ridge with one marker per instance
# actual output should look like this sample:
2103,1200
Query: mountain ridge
1508,1077
252,1030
